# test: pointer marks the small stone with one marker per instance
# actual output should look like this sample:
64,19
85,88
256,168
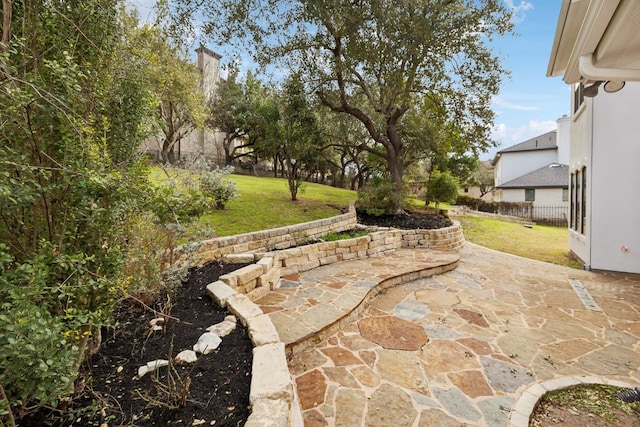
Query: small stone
186,357
157,324
231,318
151,366
207,343
222,329
158,363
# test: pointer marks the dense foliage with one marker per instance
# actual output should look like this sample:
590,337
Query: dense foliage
418,76
73,111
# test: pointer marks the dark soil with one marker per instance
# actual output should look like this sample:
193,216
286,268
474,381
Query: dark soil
218,383
406,221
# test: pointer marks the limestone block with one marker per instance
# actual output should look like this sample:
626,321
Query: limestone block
220,292
240,248
316,254
266,262
246,274
327,246
262,331
359,248
330,259
309,265
268,413
230,279
186,357
239,258
222,329
350,255
269,279
258,293
270,375
243,308
291,261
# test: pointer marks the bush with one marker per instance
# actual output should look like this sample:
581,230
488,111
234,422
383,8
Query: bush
217,187
443,187
377,197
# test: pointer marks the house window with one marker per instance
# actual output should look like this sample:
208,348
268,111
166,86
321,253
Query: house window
583,199
466,190
572,208
565,194
578,196
529,195
578,96
578,201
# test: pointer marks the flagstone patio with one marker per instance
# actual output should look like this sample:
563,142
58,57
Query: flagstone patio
477,345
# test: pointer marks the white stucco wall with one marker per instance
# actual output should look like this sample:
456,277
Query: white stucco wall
513,165
543,196
563,139
615,207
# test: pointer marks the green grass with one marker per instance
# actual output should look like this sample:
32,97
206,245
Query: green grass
265,203
544,243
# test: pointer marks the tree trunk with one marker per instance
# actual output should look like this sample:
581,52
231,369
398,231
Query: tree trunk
6,25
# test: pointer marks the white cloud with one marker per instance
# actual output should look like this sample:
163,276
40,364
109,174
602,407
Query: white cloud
519,10
499,102
509,136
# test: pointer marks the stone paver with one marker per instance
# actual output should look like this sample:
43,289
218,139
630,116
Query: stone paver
480,343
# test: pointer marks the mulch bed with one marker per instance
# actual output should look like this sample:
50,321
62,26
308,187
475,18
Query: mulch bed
218,393
406,221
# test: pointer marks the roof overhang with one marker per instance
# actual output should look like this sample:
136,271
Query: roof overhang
597,40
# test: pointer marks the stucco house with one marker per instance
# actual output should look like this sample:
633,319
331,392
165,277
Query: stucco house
596,50
535,170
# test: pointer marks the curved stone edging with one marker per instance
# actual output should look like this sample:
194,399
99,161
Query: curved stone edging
529,398
388,283
272,394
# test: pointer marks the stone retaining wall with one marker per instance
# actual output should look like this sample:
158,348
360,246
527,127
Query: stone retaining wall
272,395
257,279
273,239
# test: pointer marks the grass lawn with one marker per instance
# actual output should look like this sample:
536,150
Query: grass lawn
544,243
266,203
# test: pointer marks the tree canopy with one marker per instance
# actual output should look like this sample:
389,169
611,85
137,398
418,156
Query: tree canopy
387,63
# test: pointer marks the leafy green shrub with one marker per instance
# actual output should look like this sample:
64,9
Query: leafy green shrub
378,197
442,187
216,185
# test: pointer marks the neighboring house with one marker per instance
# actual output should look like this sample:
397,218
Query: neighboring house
535,170
597,49
206,142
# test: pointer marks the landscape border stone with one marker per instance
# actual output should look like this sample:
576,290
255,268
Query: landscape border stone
272,393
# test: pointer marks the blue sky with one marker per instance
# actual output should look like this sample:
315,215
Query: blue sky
529,103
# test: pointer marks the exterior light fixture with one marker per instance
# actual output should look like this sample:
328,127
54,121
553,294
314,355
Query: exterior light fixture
591,91
613,86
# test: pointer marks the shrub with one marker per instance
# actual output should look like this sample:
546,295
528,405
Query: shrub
443,187
217,187
378,197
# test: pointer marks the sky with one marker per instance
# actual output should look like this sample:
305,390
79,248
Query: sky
529,103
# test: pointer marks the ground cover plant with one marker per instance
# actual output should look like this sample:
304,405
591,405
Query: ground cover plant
587,405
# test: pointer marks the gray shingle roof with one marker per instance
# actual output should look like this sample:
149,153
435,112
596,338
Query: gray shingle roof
551,176
545,141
